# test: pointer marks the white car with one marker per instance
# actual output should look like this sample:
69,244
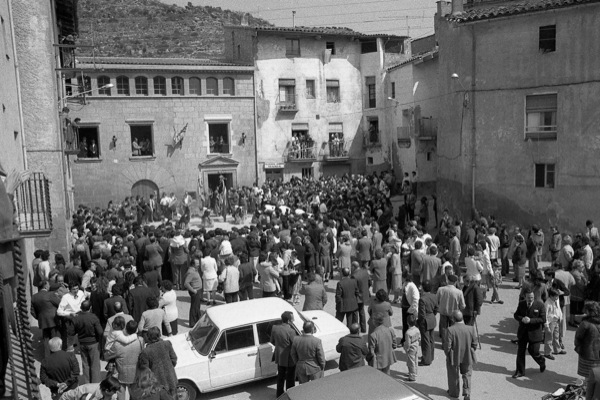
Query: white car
230,344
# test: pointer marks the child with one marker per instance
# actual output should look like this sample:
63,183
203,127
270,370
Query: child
412,341
496,280
553,318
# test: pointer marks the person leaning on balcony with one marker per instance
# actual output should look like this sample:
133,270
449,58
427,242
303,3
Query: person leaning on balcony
136,147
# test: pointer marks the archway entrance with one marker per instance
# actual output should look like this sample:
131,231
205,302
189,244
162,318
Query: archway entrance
144,188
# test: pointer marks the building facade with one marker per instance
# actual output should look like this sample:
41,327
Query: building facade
519,128
130,125
320,98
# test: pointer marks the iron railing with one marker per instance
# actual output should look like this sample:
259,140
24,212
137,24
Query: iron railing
33,213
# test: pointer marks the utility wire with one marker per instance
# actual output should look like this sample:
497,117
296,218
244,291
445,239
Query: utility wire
345,5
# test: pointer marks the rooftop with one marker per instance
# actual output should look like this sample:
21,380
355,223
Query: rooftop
430,55
154,61
517,7
308,30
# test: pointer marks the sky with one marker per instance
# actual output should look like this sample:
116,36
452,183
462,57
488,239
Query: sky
412,18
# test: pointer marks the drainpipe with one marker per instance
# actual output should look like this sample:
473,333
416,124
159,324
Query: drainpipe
473,119
255,116
18,79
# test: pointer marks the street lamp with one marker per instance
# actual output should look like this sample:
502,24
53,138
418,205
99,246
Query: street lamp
107,86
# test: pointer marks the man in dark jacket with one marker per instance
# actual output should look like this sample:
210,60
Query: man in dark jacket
59,370
473,295
43,308
531,315
282,337
352,349
428,309
136,301
346,298
109,304
361,275
89,332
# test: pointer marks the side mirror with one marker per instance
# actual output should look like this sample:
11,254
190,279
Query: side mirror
212,355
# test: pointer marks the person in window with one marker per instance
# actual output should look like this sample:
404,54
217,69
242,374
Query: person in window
146,148
83,148
93,150
221,147
212,144
136,147
373,134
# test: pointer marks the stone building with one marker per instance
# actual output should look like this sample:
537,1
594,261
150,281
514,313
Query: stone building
520,121
126,140
320,98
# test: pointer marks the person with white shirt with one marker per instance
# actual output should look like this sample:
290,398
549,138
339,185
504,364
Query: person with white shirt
168,302
552,326
69,306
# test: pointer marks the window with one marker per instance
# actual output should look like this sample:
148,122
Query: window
160,86
310,89
229,86
89,143
68,87
287,91
235,339
292,47
369,160
264,330
373,133
307,173
123,85
368,47
544,176
371,92
429,156
218,137
336,140
141,85
195,87
541,116
141,140
393,90
212,86
85,84
333,91
330,46
103,81
177,86
548,38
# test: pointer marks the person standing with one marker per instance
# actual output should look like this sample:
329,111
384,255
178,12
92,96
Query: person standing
412,340
531,315
473,296
208,266
69,306
168,302
460,346
382,343
59,370
553,317
428,309
268,275
315,296
230,276
126,358
587,340
193,284
43,308
454,250
89,333
449,299
346,298
361,275
352,349
159,356
282,337
138,298
178,258
364,248
248,273
308,355
409,303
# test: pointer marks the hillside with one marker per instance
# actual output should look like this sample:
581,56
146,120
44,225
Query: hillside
149,28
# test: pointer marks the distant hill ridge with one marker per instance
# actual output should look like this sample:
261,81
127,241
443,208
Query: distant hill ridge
149,28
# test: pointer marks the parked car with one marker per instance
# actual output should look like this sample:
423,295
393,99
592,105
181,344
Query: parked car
230,344
357,383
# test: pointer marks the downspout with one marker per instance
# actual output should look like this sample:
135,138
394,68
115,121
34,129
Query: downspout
255,45
473,119
18,79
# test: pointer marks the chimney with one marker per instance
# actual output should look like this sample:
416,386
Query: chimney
457,7
443,8
244,20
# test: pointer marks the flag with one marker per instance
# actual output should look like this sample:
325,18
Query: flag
178,137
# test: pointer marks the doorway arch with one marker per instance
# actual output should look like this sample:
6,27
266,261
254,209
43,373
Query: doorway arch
144,188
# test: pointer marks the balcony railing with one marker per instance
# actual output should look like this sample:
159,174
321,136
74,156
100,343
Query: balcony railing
287,105
337,150
33,213
301,152
542,132
427,128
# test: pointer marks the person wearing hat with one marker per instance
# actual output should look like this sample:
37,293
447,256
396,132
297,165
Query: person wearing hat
519,259
449,299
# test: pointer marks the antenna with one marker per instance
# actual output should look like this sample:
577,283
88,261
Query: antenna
294,19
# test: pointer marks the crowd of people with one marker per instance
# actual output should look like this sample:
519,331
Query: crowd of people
116,296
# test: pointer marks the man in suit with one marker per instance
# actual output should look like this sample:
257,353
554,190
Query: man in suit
361,275
59,370
136,301
118,312
364,248
460,345
382,342
449,299
428,309
346,298
315,296
43,308
473,295
352,349
89,333
431,265
109,304
531,315
282,337
308,355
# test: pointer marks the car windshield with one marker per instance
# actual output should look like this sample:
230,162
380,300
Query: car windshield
203,335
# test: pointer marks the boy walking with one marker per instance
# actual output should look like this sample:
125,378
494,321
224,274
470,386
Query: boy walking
411,346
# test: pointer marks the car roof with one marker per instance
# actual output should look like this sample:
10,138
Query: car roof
248,312
357,383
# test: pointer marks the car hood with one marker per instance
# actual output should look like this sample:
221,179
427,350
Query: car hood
183,348
325,322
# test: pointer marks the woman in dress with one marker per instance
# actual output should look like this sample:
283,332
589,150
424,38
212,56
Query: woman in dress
587,339
396,270
380,304
209,274
161,359
324,257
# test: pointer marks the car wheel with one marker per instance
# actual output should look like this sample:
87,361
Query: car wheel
186,391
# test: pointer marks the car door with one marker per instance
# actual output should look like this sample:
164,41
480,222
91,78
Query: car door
234,358
266,348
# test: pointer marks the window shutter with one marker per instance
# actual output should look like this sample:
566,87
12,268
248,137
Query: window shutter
542,102
287,82
331,83
335,127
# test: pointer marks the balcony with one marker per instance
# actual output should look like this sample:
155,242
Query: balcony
337,151
288,105
301,153
427,129
542,132
33,214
